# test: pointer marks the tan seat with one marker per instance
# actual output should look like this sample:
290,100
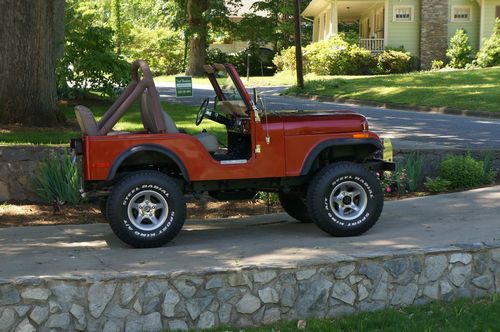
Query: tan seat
86,121
207,140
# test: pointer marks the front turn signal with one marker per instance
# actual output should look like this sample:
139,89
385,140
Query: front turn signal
361,135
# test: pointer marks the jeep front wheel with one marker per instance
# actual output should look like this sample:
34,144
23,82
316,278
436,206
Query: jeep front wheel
295,206
146,209
345,199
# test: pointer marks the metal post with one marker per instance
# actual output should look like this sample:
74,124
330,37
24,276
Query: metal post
298,45
248,67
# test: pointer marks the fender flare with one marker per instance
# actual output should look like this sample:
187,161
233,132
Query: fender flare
147,147
315,152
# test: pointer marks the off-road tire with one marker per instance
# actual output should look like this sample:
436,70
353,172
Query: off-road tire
162,191
295,206
349,178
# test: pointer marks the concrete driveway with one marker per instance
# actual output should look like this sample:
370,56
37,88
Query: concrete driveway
445,130
271,240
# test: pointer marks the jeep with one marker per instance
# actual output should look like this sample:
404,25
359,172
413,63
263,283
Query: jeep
322,164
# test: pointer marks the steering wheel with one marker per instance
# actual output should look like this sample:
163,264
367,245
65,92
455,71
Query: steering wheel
202,112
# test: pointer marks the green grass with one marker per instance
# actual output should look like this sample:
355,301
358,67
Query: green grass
464,89
462,315
183,115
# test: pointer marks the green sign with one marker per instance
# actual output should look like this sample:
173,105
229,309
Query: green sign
183,86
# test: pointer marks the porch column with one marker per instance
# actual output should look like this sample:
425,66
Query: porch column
334,20
386,23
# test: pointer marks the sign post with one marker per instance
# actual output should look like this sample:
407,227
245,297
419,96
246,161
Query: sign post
183,86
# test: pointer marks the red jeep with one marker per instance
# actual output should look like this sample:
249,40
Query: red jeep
323,165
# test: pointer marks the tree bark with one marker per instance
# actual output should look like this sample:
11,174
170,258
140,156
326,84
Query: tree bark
30,41
198,30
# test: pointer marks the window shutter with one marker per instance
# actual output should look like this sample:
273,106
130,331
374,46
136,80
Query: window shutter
498,12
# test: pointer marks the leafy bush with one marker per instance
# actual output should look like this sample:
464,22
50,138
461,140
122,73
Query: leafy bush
489,54
285,61
459,51
90,64
437,185
319,57
394,182
57,180
462,171
394,62
352,60
437,64
162,48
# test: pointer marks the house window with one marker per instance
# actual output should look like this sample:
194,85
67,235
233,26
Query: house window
461,13
403,13
498,12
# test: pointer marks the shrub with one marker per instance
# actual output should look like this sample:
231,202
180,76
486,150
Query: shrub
460,51
57,180
394,182
437,185
462,171
162,48
285,61
352,60
437,64
394,62
489,54
90,64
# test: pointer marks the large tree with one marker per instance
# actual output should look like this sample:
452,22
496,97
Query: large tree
198,18
31,40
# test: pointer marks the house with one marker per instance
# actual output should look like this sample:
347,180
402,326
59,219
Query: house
423,27
228,44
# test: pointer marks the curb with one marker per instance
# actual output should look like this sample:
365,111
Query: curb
400,107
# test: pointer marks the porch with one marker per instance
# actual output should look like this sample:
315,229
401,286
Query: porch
368,20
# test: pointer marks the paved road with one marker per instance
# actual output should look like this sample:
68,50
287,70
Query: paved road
273,240
446,130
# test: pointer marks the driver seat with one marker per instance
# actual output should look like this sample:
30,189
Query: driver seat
207,140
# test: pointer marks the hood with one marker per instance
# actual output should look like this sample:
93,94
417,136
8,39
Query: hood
319,122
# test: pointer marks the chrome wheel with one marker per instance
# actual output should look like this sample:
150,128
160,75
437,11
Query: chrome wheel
348,200
147,210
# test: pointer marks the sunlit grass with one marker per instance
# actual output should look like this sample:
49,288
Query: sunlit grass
462,89
183,115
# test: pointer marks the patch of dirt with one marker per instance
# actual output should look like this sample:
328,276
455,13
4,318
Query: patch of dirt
15,215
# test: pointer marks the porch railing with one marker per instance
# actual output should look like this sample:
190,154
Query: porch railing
375,45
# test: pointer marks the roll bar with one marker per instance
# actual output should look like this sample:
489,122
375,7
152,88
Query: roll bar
132,93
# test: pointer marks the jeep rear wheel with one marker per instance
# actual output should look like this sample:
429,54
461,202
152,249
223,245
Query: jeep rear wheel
146,209
345,199
295,206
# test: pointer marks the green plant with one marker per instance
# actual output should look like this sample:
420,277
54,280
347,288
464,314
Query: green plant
437,185
394,182
413,166
437,64
462,171
489,54
459,51
394,62
57,180
490,174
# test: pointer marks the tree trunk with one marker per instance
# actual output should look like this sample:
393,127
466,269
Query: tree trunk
30,41
198,30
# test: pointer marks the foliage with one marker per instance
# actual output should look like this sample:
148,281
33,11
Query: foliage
352,60
394,182
318,57
462,171
459,52
489,54
394,62
437,64
285,61
89,62
57,180
413,165
162,48
437,184
261,60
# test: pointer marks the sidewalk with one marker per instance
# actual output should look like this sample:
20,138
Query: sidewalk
272,240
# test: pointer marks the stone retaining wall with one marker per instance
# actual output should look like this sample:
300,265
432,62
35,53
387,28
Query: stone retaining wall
249,296
17,166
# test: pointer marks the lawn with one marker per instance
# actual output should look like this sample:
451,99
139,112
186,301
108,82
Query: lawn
462,315
464,89
183,115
